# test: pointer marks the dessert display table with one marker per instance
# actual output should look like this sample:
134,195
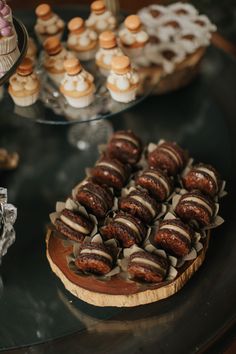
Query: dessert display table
35,308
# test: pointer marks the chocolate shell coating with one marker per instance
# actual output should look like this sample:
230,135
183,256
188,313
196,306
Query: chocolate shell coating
141,205
125,146
156,182
98,200
127,229
174,237
204,178
110,172
147,267
195,206
97,260
168,156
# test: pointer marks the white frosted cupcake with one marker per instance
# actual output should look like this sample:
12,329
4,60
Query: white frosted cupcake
48,23
8,39
132,37
108,49
77,86
123,81
5,11
100,19
55,55
81,40
24,86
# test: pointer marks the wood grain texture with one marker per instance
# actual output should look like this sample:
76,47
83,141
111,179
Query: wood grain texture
115,292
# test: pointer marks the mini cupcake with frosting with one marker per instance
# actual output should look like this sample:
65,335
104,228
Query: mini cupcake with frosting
123,81
5,11
77,86
133,37
83,41
24,85
55,55
100,19
48,23
108,49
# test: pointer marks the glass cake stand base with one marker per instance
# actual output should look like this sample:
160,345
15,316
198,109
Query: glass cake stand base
85,136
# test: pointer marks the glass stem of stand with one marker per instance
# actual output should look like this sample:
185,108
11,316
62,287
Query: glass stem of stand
113,6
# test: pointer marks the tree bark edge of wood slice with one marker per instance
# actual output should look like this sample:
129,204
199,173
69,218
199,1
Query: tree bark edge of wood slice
126,300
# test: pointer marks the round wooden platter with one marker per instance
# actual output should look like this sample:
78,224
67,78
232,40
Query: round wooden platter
115,291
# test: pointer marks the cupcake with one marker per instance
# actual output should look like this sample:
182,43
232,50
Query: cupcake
123,81
197,207
5,11
108,49
141,205
8,39
83,41
55,55
168,156
100,19
156,182
73,225
175,237
24,86
147,267
125,146
77,85
110,172
96,199
204,178
133,37
95,257
126,228
48,23
178,39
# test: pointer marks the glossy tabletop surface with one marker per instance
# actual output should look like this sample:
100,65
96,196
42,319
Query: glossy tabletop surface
34,306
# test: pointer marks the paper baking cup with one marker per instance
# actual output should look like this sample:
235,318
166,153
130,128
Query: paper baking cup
8,60
80,102
26,100
8,44
123,97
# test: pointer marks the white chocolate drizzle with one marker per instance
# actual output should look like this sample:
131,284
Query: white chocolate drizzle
147,262
144,203
74,225
198,201
97,252
177,229
130,225
160,179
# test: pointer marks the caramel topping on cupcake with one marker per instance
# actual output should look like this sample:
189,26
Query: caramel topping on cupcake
98,7
120,64
76,25
133,23
26,67
43,11
72,66
52,45
107,40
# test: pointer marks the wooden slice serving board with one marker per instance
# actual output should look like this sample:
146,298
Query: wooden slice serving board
116,291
